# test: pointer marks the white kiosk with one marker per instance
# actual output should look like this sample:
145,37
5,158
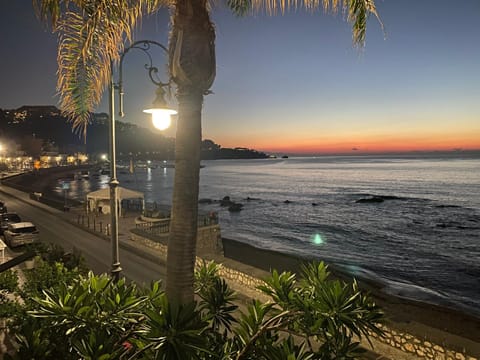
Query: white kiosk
99,201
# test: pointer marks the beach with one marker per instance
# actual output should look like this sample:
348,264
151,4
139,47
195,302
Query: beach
441,325
406,314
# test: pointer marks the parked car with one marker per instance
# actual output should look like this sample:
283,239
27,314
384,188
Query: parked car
8,218
3,207
20,234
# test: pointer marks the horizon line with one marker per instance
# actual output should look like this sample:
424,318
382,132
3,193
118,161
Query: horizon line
387,152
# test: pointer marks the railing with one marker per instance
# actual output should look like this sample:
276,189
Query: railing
93,223
163,226
158,227
155,228
208,220
153,209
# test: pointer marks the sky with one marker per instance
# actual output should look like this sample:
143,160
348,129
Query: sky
294,83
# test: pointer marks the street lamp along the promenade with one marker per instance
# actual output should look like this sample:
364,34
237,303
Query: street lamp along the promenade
160,111
161,119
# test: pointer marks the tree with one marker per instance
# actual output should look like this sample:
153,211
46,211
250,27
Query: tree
92,34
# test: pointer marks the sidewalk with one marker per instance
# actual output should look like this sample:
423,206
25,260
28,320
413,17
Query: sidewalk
99,224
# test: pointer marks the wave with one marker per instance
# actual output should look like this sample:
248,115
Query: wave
401,289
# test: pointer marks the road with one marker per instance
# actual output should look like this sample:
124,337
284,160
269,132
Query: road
96,250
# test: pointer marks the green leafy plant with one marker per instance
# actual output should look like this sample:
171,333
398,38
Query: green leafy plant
217,299
175,331
92,317
323,311
53,253
33,342
95,314
8,287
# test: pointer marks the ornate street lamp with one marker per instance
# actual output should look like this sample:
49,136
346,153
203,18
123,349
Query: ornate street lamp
161,114
161,119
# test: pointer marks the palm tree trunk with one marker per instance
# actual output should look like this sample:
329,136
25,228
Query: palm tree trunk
192,67
183,226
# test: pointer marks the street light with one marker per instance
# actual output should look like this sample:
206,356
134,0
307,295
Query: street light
161,114
143,45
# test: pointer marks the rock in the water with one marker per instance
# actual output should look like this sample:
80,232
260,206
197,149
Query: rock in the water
226,201
314,204
205,201
235,207
389,197
447,206
373,199
287,202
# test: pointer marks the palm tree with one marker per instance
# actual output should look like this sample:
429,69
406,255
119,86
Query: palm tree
92,33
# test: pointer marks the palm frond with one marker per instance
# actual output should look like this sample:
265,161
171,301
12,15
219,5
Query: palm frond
48,10
356,11
91,36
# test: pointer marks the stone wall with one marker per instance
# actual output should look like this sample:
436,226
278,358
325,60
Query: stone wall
419,348
159,247
237,279
240,281
209,239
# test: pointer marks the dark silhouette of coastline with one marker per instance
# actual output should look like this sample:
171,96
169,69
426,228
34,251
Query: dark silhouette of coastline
39,129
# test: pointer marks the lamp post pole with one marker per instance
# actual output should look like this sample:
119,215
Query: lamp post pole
116,269
145,46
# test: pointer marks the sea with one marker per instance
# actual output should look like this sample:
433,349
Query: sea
422,242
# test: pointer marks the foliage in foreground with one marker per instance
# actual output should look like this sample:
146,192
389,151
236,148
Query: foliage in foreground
91,317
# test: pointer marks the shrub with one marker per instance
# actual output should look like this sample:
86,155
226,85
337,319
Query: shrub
92,317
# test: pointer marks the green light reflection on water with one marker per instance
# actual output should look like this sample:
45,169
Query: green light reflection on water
317,239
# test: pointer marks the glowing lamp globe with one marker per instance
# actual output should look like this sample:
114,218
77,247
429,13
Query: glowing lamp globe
160,111
161,117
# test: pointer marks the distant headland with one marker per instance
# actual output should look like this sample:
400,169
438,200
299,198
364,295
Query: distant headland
38,130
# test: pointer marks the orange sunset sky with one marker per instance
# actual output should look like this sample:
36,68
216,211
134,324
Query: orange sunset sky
295,84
